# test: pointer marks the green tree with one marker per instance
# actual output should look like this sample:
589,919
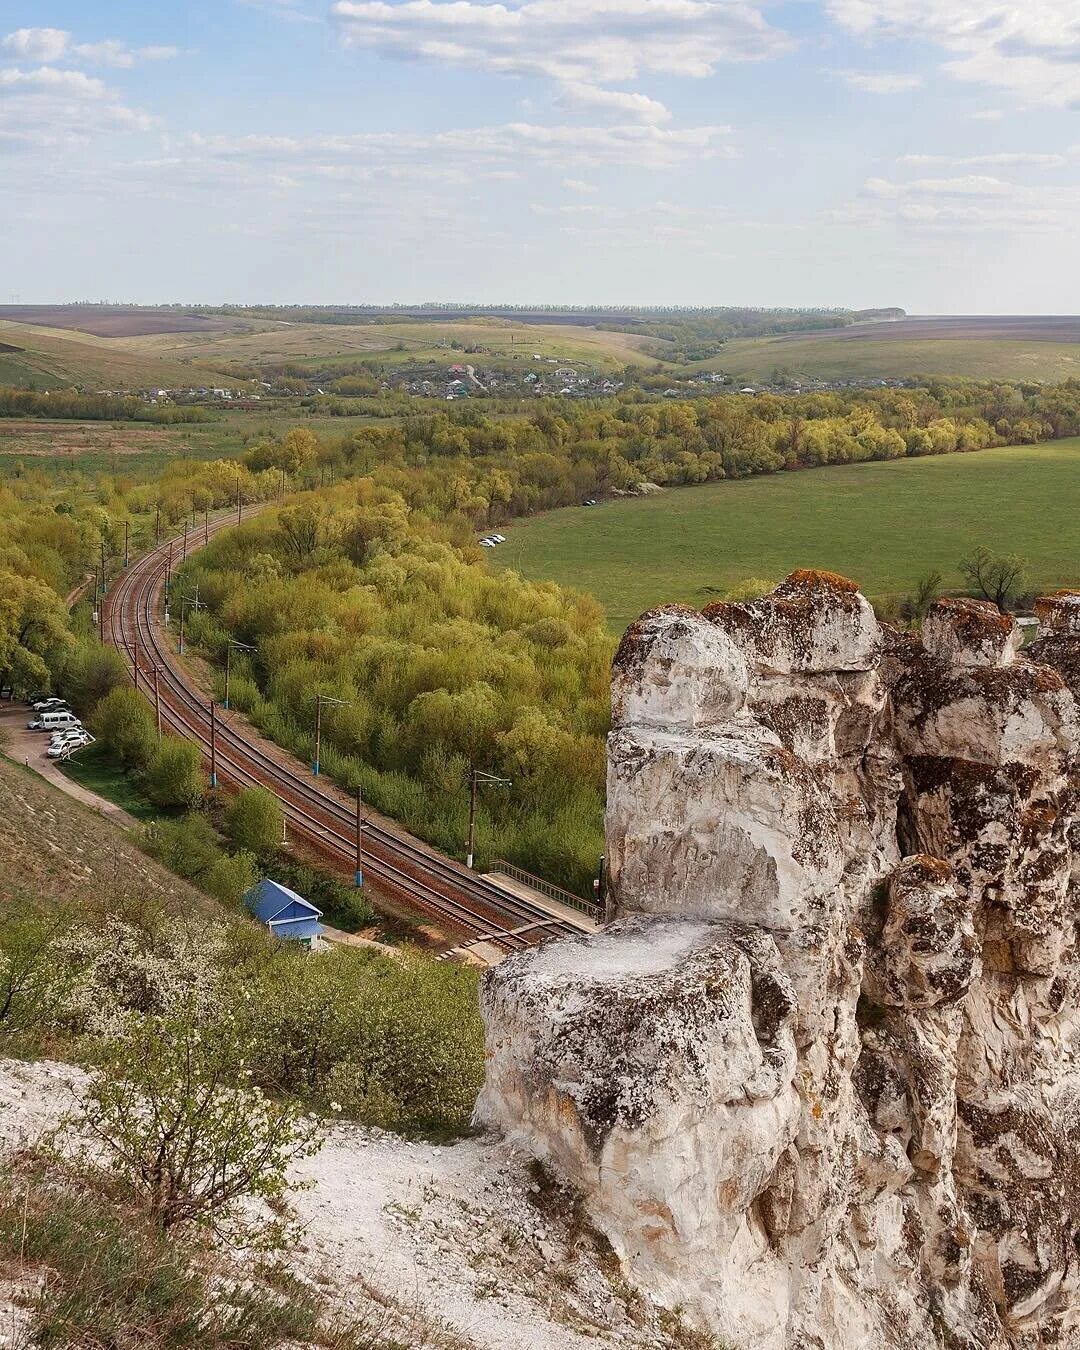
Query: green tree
173,776
124,725
254,821
33,621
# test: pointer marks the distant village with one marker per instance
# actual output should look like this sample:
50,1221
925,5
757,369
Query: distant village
554,379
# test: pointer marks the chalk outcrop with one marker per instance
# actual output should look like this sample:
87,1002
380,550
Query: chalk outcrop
818,1081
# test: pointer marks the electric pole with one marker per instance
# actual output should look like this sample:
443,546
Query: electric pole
478,778
213,745
320,699
359,840
244,647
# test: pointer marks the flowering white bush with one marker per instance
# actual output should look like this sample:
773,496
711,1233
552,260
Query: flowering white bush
173,1113
123,969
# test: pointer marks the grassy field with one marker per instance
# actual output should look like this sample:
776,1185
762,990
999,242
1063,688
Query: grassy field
396,342
48,357
139,448
884,525
836,357
95,771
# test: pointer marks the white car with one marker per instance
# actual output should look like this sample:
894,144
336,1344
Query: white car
499,538
60,749
50,705
71,734
487,543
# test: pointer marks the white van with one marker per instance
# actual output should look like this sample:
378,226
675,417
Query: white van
54,721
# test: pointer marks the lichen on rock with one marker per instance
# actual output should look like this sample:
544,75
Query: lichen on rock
817,1081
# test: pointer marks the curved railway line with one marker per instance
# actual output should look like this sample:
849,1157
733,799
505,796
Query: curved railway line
426,881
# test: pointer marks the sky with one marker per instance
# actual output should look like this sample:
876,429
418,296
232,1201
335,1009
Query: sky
921,153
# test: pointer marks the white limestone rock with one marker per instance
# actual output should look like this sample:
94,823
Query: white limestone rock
722,823
812,623
971,633
651,1066
676,670
819,1081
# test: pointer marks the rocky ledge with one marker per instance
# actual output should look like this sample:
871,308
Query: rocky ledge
817,1079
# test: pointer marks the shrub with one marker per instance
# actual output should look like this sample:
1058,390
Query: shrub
231,876
174,1115
394,1043
124,725
34,984
173,775
254,820
188,846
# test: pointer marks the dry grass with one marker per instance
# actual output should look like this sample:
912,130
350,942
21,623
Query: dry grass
88,1268
842,356
61,357
53,846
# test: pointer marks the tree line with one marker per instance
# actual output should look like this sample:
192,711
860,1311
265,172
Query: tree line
68,403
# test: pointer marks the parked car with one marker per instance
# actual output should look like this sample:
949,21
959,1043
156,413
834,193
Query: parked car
58,749
590,501
50,705
487,543
54,721
71,734
499,538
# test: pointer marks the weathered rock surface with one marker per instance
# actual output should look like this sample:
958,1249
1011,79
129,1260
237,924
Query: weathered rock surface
817,1081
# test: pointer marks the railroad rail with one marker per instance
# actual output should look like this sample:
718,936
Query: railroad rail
426,881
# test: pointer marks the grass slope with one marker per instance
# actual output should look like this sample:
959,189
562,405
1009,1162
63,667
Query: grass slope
51,845
50,357
883,524
394,343
836,357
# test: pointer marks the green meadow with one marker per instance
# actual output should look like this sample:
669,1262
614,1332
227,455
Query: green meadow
882,524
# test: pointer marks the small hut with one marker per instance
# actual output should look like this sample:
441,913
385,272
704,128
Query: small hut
288,915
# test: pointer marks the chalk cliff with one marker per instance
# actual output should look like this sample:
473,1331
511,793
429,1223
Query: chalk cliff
817,1079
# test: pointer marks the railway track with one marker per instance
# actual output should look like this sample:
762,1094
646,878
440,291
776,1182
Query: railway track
427,882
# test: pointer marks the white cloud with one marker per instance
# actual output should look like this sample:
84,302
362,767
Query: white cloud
46,108
879,82
55,44
970,185
1003,160
588,98
1030,50
113,53
947,217
579,185
509,143
37,44
589,41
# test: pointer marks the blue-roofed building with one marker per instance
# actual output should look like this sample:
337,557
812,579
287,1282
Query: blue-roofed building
288,915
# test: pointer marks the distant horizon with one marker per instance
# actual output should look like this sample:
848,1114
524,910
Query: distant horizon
457,306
